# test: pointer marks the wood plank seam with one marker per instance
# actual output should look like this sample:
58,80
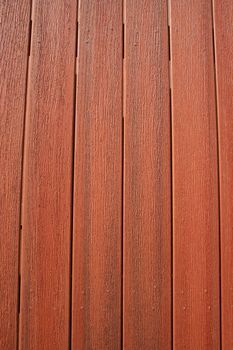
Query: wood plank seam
171,155
122,235
22,170
172,325
218,171
123,169
223,19
122,181
72,211
74,126
30,34
73,167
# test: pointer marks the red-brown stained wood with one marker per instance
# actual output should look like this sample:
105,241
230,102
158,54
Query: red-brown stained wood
195,178
98,178
223,25
46,216
14,36
147,182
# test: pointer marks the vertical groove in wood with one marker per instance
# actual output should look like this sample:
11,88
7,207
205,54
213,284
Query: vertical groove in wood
195,178
147,175
123,172
47,181
171,158
98,178
218,176
122,196
14,24
223,28
22,162
73,167
122,241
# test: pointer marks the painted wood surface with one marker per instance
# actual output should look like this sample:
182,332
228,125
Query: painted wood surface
195,178
96,321
223,26
147,178
115,174
47,175
14,29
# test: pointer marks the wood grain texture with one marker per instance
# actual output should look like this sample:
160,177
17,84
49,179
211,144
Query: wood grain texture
98,178
46,216
195,178
223,25
14,35
147,182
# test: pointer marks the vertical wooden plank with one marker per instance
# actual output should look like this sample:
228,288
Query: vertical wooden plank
14,36
195,178
147,180
223,23
46,217
98,178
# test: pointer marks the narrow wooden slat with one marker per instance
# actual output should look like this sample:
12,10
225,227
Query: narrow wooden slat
195,178
14,36
46,216
98,178
147,180
223,23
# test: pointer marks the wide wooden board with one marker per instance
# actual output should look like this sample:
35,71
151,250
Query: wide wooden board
96,321
14,37
195,178
47,180
147,178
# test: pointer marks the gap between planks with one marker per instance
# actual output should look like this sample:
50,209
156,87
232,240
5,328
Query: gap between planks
22,170
72,169
218,169
122,180
171,152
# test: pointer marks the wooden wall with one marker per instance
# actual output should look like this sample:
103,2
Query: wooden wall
116,169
